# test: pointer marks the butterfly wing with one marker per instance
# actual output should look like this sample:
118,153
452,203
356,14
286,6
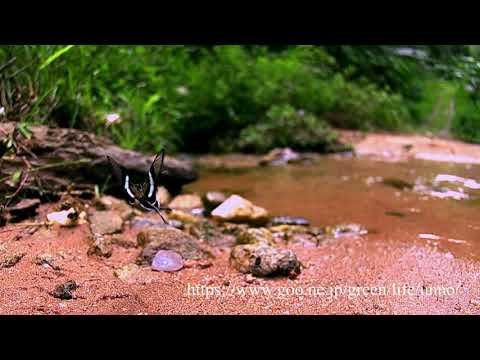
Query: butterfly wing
123,178
153,174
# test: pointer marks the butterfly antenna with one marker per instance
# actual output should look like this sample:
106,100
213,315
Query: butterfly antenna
159,213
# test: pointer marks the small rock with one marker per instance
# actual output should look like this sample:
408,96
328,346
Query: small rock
63,218
198,212
429,237
64,291
163,196
398,184
126,272
140,223
124,210
264,261
233,229
11,260
346,230
288,229
307,240
279,157
167,261
100,247
212,199
24,209
208,233
186,202
68,201
250,279
395,213
183,216
46,260
255,236
238,209
289,220
122,241
106,222
153,240
475,302
204,263
82,218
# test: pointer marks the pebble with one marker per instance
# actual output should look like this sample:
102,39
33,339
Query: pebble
475,302
11,261
167,261
429,236
64,291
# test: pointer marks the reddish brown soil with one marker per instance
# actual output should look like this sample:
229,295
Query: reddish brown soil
354,264
389,147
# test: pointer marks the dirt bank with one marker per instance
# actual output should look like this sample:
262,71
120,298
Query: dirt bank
394,148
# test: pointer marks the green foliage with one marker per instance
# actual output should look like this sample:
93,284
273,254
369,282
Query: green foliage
216,98
431,112
366,107
284,126
380,65
466,125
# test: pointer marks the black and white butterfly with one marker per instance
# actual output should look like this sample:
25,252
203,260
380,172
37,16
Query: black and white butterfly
144,194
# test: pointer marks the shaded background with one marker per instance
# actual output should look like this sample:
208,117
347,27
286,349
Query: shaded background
194,98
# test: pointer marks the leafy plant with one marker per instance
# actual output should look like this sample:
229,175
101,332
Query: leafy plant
284,126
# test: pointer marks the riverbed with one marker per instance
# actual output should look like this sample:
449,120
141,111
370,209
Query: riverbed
421,254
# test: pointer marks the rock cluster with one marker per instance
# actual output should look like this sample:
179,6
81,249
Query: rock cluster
199,228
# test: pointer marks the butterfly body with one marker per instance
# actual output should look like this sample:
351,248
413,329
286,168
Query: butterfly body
142,195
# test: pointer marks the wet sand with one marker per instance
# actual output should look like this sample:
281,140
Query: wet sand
347,276
389,271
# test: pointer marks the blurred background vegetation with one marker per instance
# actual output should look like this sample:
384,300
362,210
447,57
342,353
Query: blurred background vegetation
199,98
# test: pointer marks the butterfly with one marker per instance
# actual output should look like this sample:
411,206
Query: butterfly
141,195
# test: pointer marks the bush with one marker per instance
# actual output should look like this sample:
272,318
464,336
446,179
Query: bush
466,124
366,107
207,98
284,126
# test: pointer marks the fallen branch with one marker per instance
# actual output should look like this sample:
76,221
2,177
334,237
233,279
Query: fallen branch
61,157
22,184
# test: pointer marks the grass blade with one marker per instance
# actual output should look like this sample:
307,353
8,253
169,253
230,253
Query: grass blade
55,56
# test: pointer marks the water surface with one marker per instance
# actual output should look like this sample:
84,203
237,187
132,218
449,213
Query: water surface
344,190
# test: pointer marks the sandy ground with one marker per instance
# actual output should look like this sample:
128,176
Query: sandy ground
388,147
345,276
349,275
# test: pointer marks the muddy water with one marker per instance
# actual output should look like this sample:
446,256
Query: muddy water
334,190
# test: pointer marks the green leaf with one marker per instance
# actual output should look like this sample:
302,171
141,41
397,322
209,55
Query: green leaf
16,177
152,100
23,128
55,56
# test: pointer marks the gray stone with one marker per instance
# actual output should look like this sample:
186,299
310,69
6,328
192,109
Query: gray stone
213,199
153,240
106,222
238,209
265,261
